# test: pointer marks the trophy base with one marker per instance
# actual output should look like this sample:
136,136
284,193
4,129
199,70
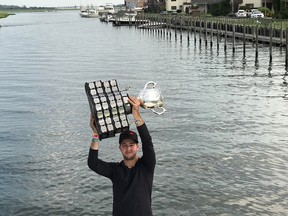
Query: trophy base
109,107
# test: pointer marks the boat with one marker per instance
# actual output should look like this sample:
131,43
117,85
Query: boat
108,8
107,17
126,19
89,12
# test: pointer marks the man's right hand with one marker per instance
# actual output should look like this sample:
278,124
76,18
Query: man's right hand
92,124
94,144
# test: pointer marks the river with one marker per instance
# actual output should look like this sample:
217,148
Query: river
221,146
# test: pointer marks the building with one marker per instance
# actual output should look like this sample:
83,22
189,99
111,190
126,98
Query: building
134,4
174,5
156,5
185,5
256,3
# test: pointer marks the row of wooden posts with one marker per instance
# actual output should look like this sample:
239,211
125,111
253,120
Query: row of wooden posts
257,31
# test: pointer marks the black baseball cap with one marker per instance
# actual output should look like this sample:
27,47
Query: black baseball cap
128,135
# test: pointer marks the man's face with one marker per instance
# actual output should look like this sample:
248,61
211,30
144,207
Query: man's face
129,149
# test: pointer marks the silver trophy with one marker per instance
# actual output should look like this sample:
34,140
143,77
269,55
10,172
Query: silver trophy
152,98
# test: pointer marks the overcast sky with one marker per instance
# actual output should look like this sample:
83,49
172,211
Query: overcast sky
57,3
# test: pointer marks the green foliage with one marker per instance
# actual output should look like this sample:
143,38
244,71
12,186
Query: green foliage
266,11
163,8
276,6
221,9
283,12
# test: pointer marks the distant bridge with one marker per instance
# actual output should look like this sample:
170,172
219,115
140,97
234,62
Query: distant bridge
76,7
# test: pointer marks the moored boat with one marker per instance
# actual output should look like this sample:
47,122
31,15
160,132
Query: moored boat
127,19
89,12
109,8
108,17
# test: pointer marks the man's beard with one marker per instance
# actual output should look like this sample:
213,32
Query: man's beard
130,158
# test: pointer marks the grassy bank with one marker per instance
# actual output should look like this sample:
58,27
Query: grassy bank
3,15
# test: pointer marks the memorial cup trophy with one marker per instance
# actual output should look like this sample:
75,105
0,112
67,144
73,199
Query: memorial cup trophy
110,107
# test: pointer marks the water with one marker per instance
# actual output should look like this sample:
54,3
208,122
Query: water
221,146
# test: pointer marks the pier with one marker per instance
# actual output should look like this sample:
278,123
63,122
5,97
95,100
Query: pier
259,31
267,30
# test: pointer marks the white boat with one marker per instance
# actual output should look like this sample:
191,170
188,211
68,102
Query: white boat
109,8
107,17
127,19
89,12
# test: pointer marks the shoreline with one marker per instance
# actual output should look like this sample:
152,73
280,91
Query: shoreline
4,15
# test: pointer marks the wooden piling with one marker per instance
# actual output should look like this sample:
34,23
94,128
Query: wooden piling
217,36
244,40
281,33
225,41
194,30
188,30
211,34
270,43
286,57
256,41
233,33
205,25
170,31
181,28
200,32
175,28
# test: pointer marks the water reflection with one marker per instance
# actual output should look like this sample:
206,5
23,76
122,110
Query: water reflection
221,147
284,77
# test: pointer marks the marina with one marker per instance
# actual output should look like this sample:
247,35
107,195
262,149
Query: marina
221,145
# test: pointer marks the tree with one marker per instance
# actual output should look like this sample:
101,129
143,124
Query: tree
220,9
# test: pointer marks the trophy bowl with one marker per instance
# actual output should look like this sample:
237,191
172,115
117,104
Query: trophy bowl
152,98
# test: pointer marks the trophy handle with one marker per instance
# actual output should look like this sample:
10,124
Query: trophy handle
159,113
150,82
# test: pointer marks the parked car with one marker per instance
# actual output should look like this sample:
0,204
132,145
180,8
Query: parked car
250,11
241,14
231,15
163,12
257,14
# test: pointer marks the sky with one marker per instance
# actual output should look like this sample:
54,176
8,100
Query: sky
58,3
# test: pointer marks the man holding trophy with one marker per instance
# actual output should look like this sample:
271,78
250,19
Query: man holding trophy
132,178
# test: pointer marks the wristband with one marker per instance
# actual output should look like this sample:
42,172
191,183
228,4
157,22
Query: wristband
95,138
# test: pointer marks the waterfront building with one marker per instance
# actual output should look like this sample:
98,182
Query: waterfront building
185,5
135,4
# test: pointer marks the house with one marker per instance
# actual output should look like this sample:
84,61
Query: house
174,5
135,4
185,5
156,5
256,3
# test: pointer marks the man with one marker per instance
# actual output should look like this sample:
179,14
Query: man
132,178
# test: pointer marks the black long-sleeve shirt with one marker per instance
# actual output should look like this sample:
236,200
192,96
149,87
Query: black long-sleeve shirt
132,188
